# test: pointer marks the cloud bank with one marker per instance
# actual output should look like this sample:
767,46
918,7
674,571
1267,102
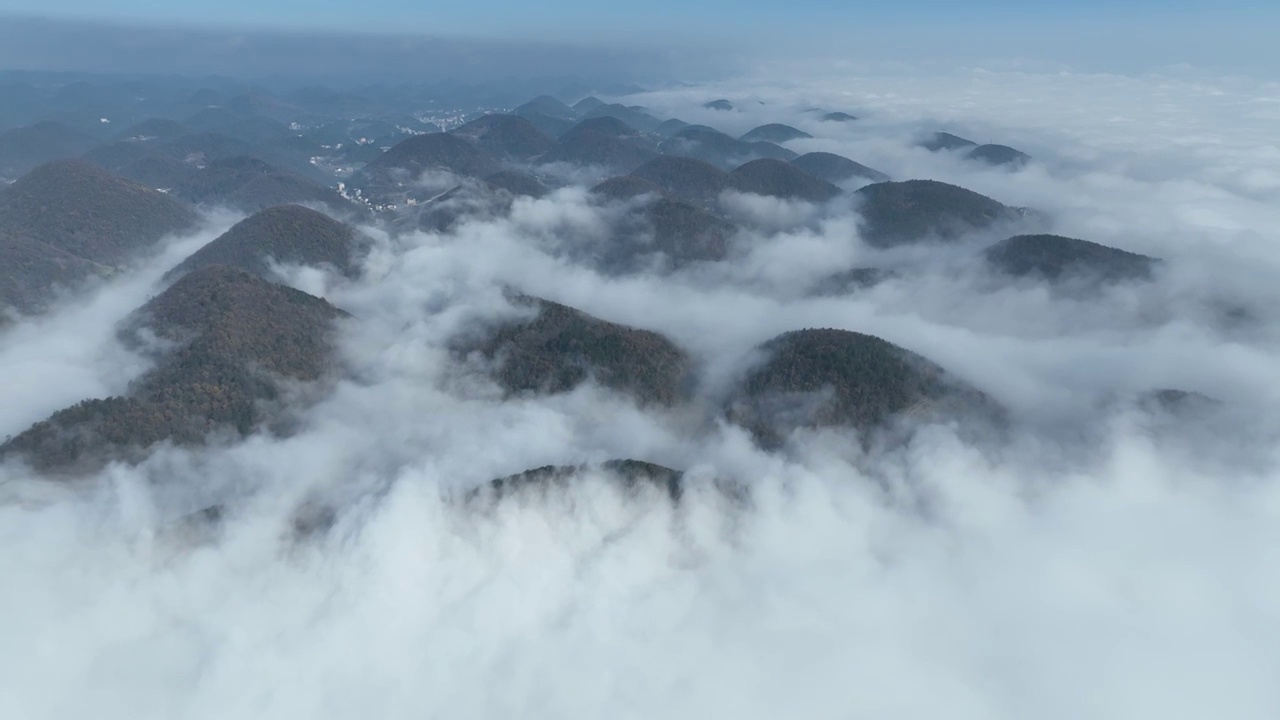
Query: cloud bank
1102,561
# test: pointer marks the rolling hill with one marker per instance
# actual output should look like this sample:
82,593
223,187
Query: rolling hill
560,348
286,234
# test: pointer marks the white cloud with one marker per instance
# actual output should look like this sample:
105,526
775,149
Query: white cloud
1096,564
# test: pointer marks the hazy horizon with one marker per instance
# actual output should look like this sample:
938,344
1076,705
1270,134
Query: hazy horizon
1102,37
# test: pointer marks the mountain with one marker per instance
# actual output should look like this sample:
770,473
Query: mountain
259,103
835,378
837,117
587,104
327,101
560,348
84,210
999,155
593,148
547,106
152,130
235,339
836,168
32,273
1053,257
722,105
167,163
850,281
200,149
505,136
1176,403
403,164
712,146
633,477
684,177
780,179
488,198
670,127
552,127
626,187
669,232
634,117
286,234
20,103
118,154
946,141
22,149
245,127
248,184
766,149
913,210
774,133
517,183
157,171
605,125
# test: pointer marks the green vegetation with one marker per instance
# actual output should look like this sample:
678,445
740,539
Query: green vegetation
686,178
32,272
774,133
677,230
591,147
22,149
288,234
249,184
561,348
914,210
632,475
836,168
406,161
625,187
506,136
84,210
235,336
824,378
780,179
1054,257
999,155
946,141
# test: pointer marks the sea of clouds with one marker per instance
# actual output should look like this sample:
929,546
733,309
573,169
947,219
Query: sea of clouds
1102,561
